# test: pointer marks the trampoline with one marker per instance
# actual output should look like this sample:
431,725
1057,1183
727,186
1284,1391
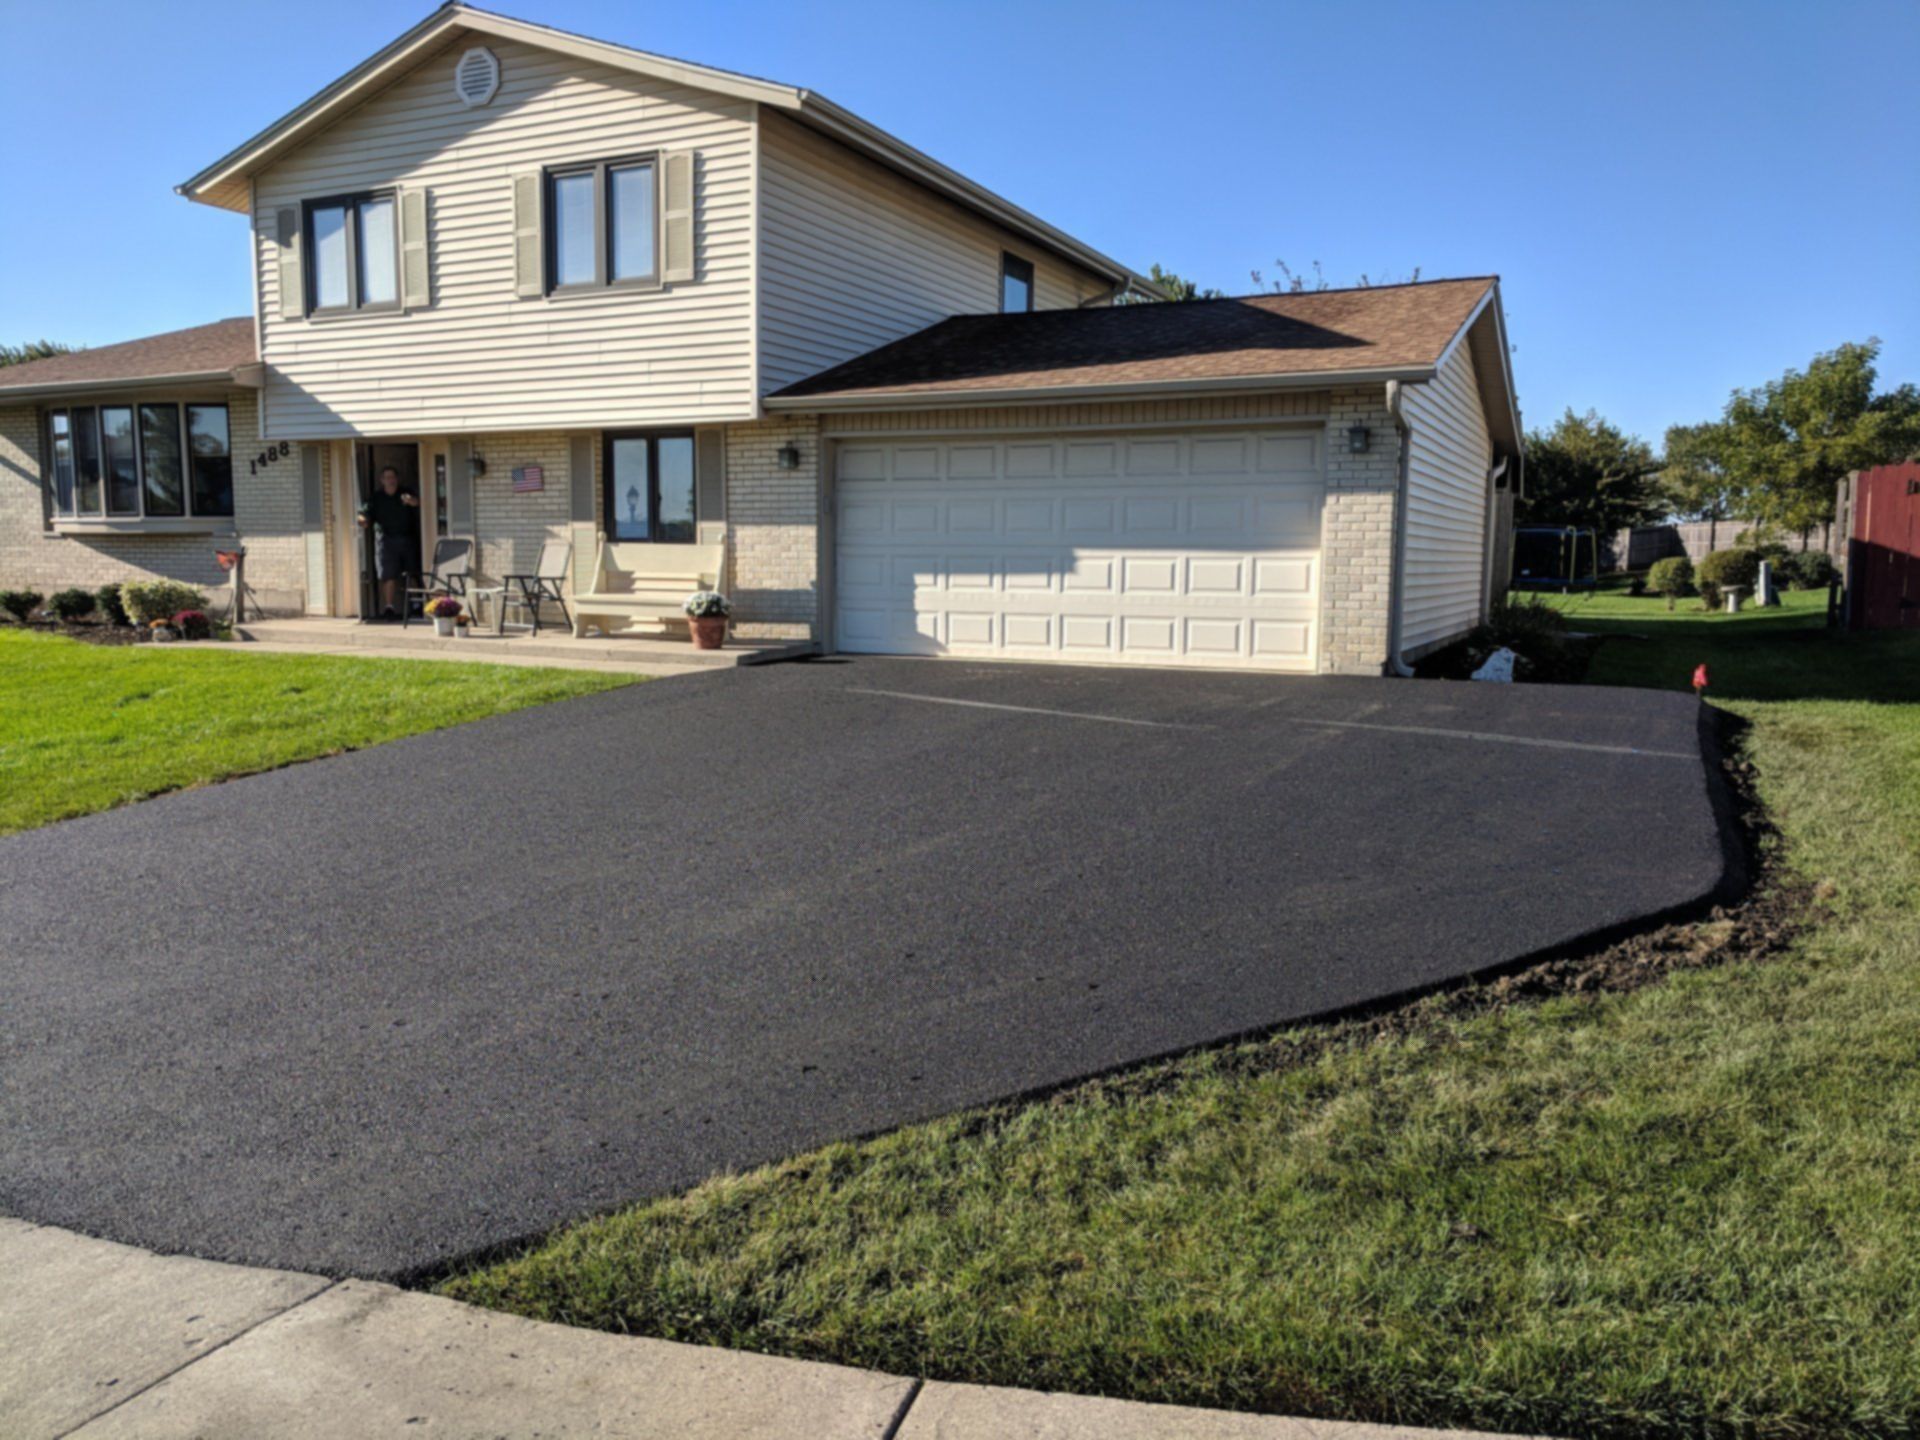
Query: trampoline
1554,557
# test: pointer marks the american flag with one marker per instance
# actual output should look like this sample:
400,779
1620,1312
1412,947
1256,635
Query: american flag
528,477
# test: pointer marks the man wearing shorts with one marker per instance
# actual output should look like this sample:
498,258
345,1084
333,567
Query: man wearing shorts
389,510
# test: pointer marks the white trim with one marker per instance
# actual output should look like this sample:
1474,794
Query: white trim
1313,421
135,525
1065,394
753,262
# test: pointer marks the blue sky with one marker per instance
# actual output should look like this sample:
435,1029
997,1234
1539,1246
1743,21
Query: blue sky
1680,197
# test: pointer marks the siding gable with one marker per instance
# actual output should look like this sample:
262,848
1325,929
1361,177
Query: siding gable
1448,492
477,357
853,256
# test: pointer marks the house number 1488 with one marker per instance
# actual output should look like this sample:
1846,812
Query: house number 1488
268,456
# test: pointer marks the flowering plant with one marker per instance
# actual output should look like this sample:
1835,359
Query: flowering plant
445,608
708,605
193,624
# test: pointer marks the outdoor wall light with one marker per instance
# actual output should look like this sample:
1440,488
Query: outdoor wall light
476,467
1357,440
789,456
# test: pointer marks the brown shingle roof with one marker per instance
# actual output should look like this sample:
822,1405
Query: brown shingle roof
221,347
1384,327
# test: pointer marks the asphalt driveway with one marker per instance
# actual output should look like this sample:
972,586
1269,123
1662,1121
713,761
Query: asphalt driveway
369,1014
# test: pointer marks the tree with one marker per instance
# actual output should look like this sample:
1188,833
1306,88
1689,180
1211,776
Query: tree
1587,472
1785,445
1172,287
1292,282
1694,483
32,350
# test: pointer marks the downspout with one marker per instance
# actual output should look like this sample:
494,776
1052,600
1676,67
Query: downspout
1396,582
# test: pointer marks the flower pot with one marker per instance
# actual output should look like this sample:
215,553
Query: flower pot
163,635
443,624
709,631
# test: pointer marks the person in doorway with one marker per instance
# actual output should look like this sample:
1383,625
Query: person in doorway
390,511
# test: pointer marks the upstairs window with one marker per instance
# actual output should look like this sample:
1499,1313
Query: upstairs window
356,254
602,225
1016,285
148,461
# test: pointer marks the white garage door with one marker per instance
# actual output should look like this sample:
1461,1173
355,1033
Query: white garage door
1197,548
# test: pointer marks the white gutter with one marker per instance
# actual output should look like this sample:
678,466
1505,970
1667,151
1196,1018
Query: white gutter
55,390
1042,394
1396,574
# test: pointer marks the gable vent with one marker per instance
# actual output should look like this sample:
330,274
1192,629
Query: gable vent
477,76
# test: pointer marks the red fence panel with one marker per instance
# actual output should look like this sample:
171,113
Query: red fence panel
1883,551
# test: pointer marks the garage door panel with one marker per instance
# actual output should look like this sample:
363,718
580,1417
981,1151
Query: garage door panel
1167,549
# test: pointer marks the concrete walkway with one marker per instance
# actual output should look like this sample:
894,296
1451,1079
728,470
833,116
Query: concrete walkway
102,1340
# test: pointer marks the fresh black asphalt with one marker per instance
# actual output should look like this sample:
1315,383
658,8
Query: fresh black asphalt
369,1014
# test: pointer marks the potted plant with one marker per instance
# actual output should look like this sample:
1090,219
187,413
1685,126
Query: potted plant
444,611
162,631
462,625
707,614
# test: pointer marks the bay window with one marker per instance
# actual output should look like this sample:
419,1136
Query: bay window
139,461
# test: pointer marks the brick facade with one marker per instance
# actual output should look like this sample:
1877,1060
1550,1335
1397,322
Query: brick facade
1356,534
773,528
267,519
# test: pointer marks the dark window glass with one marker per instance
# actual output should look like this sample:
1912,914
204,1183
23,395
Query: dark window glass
212,464
630,207
573,257
674,489
651,481
330,270
160,459
629,489
62,446
122,461
86,463
1016,284
379,285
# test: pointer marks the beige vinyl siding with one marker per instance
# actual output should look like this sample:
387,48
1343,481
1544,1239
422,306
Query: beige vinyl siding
853,256
478,357
1448,457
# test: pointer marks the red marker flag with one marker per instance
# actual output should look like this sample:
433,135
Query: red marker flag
1699,679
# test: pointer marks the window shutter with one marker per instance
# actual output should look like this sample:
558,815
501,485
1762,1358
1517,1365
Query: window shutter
710,470
293,287
676,216
460,488
416,275
529,259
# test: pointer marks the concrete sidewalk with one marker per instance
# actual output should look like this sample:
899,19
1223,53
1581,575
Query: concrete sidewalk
102,1340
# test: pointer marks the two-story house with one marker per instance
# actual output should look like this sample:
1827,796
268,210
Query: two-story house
574,290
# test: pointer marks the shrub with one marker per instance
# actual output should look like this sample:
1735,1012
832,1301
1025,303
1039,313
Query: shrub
1533,630
1809,570
1671,577
72,604
150,600
193,625
107,597
1636,585
1724,568
20,603
1709,595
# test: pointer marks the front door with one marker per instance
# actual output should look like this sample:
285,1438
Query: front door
374,458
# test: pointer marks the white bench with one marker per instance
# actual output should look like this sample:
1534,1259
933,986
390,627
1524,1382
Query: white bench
637,582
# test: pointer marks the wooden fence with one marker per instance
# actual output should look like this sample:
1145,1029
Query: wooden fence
1639,547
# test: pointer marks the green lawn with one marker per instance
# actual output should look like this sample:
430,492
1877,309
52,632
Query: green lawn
86,727
1690,1209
